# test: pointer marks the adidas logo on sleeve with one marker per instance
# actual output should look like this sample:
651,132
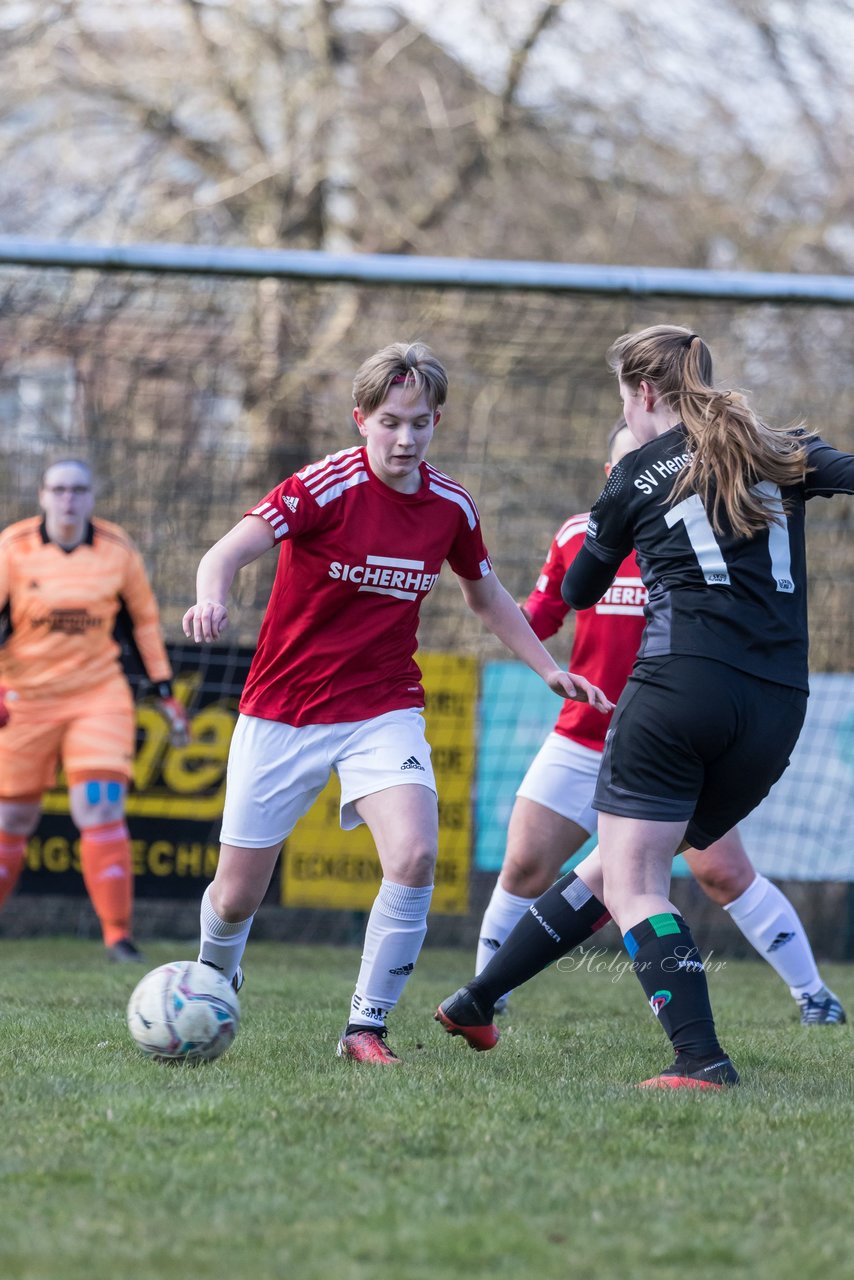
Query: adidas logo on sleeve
412,763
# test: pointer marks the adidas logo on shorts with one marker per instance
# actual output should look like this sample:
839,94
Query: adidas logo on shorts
412,763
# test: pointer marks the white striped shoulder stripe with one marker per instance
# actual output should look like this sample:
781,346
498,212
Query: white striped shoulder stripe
331,460
444,487
333,475
274,518
335,491
448,481
573,526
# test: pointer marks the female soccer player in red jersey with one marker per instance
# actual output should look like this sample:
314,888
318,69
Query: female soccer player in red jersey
553,815
713,502
65,579
334,685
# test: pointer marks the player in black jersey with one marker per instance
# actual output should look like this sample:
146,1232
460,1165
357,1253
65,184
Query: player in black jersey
713,501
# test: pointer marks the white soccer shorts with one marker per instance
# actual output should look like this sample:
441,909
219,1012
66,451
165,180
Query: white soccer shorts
562,777
276,771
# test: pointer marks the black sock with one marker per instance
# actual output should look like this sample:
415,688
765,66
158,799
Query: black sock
561,918
671,973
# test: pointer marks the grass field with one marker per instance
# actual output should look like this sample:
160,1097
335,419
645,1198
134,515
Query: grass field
539,1158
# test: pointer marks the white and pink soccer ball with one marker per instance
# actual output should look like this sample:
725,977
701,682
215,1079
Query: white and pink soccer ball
183,1012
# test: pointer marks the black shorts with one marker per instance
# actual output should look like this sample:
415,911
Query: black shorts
696,741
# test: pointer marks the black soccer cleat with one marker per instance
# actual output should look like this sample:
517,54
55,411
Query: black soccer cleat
693,1073
125,951
461,1015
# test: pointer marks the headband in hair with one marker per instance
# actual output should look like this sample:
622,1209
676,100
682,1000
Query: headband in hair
401,377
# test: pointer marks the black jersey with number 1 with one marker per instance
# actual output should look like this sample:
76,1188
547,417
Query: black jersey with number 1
738,600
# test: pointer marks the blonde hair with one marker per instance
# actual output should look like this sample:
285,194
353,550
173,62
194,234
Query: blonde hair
410,363
732,449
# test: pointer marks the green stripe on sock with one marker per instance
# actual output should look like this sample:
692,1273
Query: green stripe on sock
664,924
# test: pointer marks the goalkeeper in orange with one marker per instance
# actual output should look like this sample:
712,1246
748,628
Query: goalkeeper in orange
66,581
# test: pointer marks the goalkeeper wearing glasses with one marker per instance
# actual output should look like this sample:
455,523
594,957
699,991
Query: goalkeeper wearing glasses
66,580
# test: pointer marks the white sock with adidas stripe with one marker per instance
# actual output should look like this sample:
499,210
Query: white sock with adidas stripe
222,942
770,923
396,929
502,914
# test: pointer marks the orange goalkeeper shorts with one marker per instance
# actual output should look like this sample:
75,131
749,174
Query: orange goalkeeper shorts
92,733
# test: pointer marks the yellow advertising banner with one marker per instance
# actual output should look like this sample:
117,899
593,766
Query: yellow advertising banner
324,866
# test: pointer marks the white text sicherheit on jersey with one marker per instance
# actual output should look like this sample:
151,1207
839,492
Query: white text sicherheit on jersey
387,576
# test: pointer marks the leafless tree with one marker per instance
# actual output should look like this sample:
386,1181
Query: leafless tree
548,129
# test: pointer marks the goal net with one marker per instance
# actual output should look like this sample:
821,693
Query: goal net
193,395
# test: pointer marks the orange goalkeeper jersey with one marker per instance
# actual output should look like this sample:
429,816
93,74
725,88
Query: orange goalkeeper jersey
62,608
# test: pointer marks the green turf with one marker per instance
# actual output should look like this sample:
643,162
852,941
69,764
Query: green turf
538,1159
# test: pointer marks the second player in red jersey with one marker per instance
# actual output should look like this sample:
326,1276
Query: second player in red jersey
606,637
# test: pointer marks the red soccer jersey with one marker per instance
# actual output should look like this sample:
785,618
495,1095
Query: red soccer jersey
606,637
358,558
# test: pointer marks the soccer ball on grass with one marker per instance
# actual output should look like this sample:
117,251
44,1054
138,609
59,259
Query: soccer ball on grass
183,1012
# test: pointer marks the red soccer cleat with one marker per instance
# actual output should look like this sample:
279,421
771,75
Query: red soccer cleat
461,1015
367,1044
689,1073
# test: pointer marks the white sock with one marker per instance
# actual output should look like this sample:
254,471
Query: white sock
396,929
499,919
222,941
770,923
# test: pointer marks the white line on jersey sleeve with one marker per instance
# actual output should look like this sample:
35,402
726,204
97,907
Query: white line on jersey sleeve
330,460
573,526
274,518
335,492
343,466
460,497
446,480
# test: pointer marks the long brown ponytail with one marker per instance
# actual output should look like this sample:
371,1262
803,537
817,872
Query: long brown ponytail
732,449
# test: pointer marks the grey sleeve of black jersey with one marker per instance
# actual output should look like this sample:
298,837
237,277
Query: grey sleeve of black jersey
829,470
